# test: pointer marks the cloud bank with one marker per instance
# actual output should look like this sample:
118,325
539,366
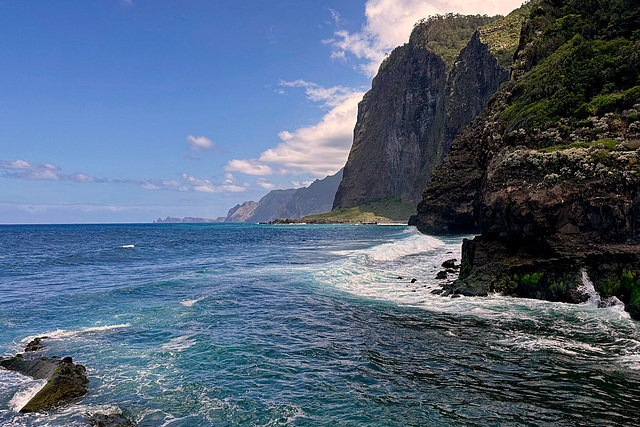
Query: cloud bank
21,169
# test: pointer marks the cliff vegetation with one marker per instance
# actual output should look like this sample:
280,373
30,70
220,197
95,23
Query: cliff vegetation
549,173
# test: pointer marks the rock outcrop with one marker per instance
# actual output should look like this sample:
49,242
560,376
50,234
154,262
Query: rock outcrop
549,173
66,380
424,94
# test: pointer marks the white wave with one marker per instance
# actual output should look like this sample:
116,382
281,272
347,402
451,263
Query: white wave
11,379
179,343
287,414
64,333
128,246
532,343
414,244
588,289
25,394
191,302
631,361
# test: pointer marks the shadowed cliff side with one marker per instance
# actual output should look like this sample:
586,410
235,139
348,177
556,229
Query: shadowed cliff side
425,93
549,171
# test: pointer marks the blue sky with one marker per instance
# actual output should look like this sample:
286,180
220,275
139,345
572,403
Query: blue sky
125,111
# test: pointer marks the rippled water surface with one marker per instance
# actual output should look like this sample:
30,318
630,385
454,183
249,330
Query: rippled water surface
199,325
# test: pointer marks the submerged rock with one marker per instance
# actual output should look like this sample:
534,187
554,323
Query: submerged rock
35,344
109,420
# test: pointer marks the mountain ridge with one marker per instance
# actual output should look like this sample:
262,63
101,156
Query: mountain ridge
425,92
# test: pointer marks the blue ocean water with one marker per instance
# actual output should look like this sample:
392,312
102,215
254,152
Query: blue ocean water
199,325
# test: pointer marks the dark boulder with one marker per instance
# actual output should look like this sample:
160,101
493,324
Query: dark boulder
66,380
450,263
35,344
109,420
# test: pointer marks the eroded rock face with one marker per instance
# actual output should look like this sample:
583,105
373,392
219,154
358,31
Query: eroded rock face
406,122
392,130
66,380
555,192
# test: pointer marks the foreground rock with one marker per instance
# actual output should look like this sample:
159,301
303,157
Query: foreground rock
66,380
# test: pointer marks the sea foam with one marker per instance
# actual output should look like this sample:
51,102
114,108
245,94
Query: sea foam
25,394
64,333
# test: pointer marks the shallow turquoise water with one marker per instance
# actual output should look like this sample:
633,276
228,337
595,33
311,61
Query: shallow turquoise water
299,325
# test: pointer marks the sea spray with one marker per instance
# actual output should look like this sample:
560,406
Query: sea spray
25,394
589,290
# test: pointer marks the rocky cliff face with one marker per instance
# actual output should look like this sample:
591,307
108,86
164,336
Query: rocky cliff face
315,199
549,172
425,93
292,203
241,212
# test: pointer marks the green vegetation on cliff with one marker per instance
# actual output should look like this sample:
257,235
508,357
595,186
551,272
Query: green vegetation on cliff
388,209
446,35
582,65
502,35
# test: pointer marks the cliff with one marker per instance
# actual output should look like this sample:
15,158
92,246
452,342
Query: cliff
424,94
291,203
315,199
549,173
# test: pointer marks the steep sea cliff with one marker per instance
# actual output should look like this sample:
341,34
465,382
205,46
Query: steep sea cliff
424,94
548,172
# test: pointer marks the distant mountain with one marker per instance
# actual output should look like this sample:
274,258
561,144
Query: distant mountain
292,203
241,212
314,199
268,205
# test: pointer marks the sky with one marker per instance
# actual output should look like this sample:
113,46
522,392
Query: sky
129,110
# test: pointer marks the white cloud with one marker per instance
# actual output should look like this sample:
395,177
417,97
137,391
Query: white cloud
265,184
299,184
389,23
317,150
200,143
32,171
21,169
249,167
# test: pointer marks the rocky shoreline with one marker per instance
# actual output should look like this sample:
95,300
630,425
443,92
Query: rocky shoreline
303,221
549,173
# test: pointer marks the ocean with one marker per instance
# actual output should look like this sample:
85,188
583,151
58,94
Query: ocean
301,325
